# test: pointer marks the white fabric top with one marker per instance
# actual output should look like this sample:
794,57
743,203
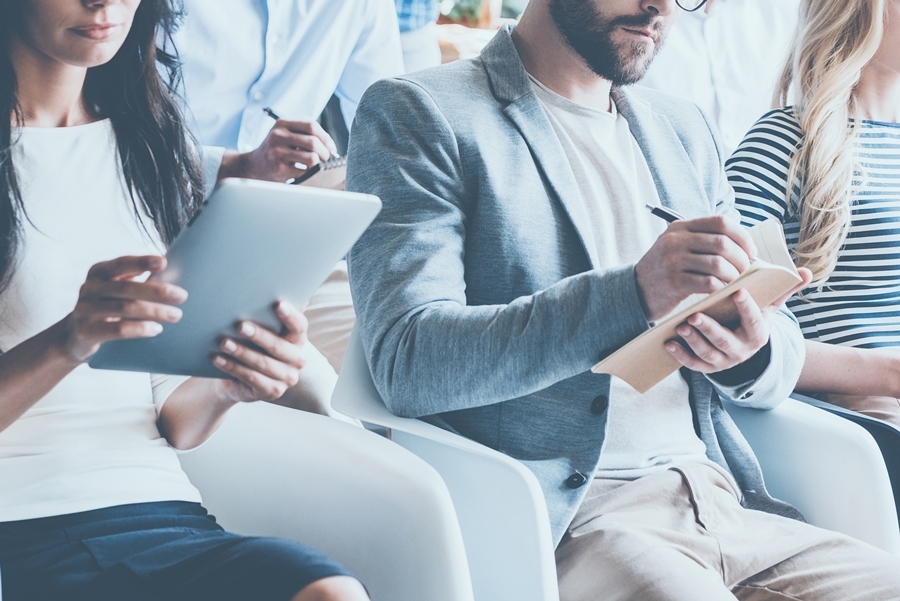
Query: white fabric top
290,55
727,61
92,442
649,432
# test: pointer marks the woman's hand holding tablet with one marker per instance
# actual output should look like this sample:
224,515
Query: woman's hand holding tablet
271,364
114,303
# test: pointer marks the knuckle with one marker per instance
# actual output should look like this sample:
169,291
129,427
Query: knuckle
708,355
709,284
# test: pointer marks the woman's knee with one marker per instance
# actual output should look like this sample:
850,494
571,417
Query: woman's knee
335,588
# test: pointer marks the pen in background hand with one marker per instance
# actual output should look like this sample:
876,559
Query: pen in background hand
664,213
267,110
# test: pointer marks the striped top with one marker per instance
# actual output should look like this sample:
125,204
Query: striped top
860,304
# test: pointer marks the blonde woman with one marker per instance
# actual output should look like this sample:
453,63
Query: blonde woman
838,150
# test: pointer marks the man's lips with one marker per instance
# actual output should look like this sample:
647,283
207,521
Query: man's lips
98,31
643,32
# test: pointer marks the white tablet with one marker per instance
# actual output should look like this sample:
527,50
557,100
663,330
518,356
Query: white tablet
251,244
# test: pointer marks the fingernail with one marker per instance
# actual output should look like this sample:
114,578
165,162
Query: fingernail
672,348
178,295
695,320
174,313
154,262
684,332
155,328
247,329
229,346
219,361
283,309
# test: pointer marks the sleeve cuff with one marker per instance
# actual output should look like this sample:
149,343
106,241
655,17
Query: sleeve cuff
212,162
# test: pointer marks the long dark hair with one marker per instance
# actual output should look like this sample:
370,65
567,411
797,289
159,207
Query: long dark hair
159,159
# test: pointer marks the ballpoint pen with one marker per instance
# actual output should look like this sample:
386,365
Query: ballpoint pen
267,110
664,213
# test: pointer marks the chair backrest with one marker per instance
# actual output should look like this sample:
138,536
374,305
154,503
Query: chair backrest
828,468
499,502
380,511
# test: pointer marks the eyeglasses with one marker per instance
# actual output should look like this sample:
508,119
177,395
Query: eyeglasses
690,5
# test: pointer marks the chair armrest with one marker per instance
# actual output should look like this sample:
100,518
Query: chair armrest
380,511
828,468
499,502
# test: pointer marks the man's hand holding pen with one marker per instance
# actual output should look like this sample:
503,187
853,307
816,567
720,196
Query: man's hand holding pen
290,148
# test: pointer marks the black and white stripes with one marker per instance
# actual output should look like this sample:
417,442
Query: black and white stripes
860,304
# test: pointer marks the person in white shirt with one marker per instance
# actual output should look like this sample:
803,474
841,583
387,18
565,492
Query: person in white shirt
97,175
289,55
726,58
292,57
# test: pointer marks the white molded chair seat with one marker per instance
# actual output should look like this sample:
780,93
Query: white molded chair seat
379,510
829,469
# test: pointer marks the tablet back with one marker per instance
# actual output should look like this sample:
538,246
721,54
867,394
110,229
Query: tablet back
251,244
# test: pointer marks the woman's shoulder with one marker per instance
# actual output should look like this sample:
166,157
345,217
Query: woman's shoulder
760,167
778,132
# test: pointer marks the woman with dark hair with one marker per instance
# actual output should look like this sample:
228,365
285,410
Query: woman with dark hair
96,176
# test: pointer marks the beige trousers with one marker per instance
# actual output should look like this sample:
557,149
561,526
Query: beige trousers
886,408
682,535
331,316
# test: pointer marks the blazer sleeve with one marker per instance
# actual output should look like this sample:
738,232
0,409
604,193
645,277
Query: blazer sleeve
429,352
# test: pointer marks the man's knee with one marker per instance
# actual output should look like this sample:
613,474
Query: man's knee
335,588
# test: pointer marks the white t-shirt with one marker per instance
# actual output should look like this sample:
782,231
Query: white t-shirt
92,441
649,432
727,61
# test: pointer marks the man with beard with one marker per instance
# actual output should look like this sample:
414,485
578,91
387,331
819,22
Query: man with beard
514,251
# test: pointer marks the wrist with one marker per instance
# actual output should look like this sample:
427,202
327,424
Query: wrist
59,350
234,164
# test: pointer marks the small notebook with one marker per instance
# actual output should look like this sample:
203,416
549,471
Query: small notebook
644,362
329,174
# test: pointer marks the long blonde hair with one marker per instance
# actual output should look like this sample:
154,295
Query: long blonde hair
835,39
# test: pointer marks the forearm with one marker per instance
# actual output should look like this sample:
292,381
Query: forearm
448,356
847,370
193,413
29,371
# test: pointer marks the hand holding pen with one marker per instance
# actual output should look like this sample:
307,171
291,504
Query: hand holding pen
290,148
691,256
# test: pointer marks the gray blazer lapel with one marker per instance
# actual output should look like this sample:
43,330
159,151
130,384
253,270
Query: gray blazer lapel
512,87
673,171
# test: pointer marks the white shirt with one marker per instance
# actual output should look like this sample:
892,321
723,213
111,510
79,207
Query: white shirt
291,55
728,61
92,441
649,432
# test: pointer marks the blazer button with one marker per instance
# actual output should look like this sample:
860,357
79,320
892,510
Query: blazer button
576,480
599,405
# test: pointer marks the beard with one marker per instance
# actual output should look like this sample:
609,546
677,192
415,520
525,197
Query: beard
590,35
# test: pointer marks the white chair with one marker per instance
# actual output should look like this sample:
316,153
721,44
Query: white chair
503,514
499,502
829,468
380,511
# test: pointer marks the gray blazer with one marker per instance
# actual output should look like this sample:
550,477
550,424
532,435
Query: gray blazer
478,300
